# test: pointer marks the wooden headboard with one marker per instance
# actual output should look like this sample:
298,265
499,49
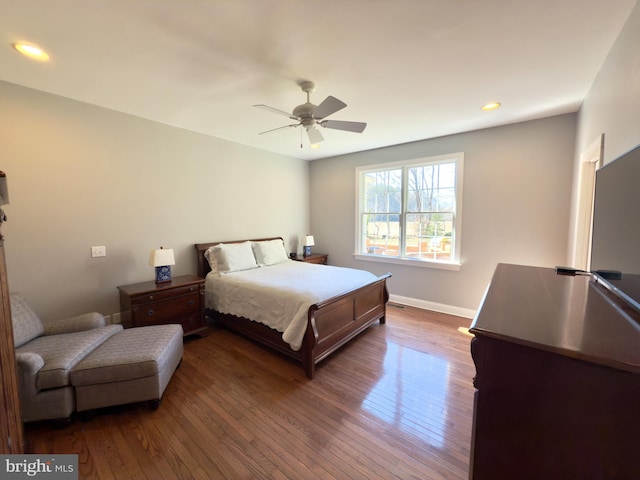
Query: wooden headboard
203,265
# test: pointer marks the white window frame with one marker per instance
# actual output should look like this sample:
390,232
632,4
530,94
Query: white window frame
455,262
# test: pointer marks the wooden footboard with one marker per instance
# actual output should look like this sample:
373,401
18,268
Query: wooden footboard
330,324
334,322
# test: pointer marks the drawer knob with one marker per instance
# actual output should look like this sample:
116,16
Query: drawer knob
190,303
150,312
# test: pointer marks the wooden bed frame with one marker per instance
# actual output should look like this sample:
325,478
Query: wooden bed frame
330,324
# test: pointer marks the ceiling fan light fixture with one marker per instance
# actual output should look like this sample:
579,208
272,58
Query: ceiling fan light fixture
491,106
30,50
314,135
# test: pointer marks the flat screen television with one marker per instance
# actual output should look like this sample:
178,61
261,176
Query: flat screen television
615,247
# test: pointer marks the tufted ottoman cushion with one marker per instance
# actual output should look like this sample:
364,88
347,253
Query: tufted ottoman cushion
133,365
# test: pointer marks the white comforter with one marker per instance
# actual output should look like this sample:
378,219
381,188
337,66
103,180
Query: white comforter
279,296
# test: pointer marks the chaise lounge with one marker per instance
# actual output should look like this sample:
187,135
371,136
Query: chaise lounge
81,363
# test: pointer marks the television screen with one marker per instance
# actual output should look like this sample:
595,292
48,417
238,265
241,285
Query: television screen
615,248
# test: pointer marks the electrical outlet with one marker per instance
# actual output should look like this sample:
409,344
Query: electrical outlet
99,251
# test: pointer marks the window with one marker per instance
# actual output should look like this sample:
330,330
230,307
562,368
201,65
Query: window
411,211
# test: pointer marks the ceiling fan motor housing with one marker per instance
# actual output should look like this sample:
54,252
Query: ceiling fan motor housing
304,111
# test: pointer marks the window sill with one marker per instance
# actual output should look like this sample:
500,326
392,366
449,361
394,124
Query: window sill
409,262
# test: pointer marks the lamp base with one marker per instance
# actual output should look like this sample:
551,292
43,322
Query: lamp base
163,274
306,251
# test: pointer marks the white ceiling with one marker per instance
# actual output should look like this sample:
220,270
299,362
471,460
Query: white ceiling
411,69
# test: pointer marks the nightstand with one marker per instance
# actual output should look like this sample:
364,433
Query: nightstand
179,301
313,258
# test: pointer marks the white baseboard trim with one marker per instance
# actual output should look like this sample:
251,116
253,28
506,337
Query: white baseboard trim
436,307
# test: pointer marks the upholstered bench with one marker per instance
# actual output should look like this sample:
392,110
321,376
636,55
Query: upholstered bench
133,365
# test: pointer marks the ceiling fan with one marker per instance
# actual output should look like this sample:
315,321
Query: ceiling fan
310,116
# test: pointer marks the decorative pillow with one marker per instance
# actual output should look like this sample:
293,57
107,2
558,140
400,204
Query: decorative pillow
233,257
26,324
269,252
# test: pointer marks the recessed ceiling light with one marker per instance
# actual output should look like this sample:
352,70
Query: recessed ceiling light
31,51
491,106
314,145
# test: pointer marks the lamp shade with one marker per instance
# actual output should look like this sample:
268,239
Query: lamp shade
4,190
161,257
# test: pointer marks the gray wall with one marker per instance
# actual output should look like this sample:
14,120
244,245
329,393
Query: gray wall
612,107
82,176
516,208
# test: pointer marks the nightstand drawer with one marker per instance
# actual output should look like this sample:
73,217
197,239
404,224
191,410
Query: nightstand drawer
163,295
184,309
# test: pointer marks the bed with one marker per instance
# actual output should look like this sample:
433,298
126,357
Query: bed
329,322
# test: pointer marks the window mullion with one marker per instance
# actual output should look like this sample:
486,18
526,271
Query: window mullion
403,213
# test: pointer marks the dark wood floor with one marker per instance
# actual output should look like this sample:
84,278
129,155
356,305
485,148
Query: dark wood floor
395,403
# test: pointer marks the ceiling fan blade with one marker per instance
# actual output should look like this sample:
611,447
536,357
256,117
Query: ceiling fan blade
329,106
279,128
314,135
357,127
276,110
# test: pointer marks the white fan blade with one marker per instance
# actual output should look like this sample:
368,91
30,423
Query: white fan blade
357,127
314,135
276,110
329,106
280,128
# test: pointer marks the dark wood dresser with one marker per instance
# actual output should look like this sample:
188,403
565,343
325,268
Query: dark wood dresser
179,301
558,380
11,431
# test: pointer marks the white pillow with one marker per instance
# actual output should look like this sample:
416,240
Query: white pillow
269,252
233,257
211,257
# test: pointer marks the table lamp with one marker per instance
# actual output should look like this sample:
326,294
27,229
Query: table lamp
162,259
308,243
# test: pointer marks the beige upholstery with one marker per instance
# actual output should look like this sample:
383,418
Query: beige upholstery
62,352
26,324
47,352
44,360
131,366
